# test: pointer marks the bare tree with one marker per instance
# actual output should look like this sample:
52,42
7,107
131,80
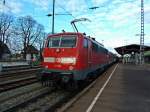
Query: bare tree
5,27
28,30
40,43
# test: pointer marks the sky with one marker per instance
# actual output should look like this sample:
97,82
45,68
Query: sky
115,23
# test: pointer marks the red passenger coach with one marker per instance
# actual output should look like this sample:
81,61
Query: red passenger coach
72,57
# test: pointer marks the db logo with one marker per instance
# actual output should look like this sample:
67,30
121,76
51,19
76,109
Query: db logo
58,60
57,50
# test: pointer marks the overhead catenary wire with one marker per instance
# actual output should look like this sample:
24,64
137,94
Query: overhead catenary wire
74,17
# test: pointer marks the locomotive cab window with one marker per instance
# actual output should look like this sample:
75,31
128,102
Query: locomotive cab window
54,42
68,42
65,41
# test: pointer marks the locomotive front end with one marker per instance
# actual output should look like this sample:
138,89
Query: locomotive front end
60,58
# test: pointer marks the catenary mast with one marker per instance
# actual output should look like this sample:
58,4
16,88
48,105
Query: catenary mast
142,34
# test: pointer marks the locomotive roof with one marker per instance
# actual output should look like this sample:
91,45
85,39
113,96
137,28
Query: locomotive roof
75,33
67,33
96,42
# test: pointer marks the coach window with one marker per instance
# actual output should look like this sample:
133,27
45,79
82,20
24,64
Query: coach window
85,43
100,49
95,47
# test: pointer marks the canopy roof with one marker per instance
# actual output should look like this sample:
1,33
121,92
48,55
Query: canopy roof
128,49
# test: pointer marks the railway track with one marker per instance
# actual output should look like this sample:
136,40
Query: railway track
14,79
8,85
44,103
46,99
18,74
6,73
16,67
15,98
43,99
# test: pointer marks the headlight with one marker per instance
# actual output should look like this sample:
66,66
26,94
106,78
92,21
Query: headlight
46,67
49,59
68,60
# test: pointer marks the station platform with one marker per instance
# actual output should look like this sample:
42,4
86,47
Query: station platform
124,88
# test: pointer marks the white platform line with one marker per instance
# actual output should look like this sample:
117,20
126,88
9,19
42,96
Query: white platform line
100,91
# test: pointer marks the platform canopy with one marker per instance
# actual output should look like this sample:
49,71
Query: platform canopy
128,49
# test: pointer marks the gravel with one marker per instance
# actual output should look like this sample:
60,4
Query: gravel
44,103
20,95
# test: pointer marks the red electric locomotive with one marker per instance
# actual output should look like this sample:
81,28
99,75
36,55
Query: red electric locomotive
72,57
